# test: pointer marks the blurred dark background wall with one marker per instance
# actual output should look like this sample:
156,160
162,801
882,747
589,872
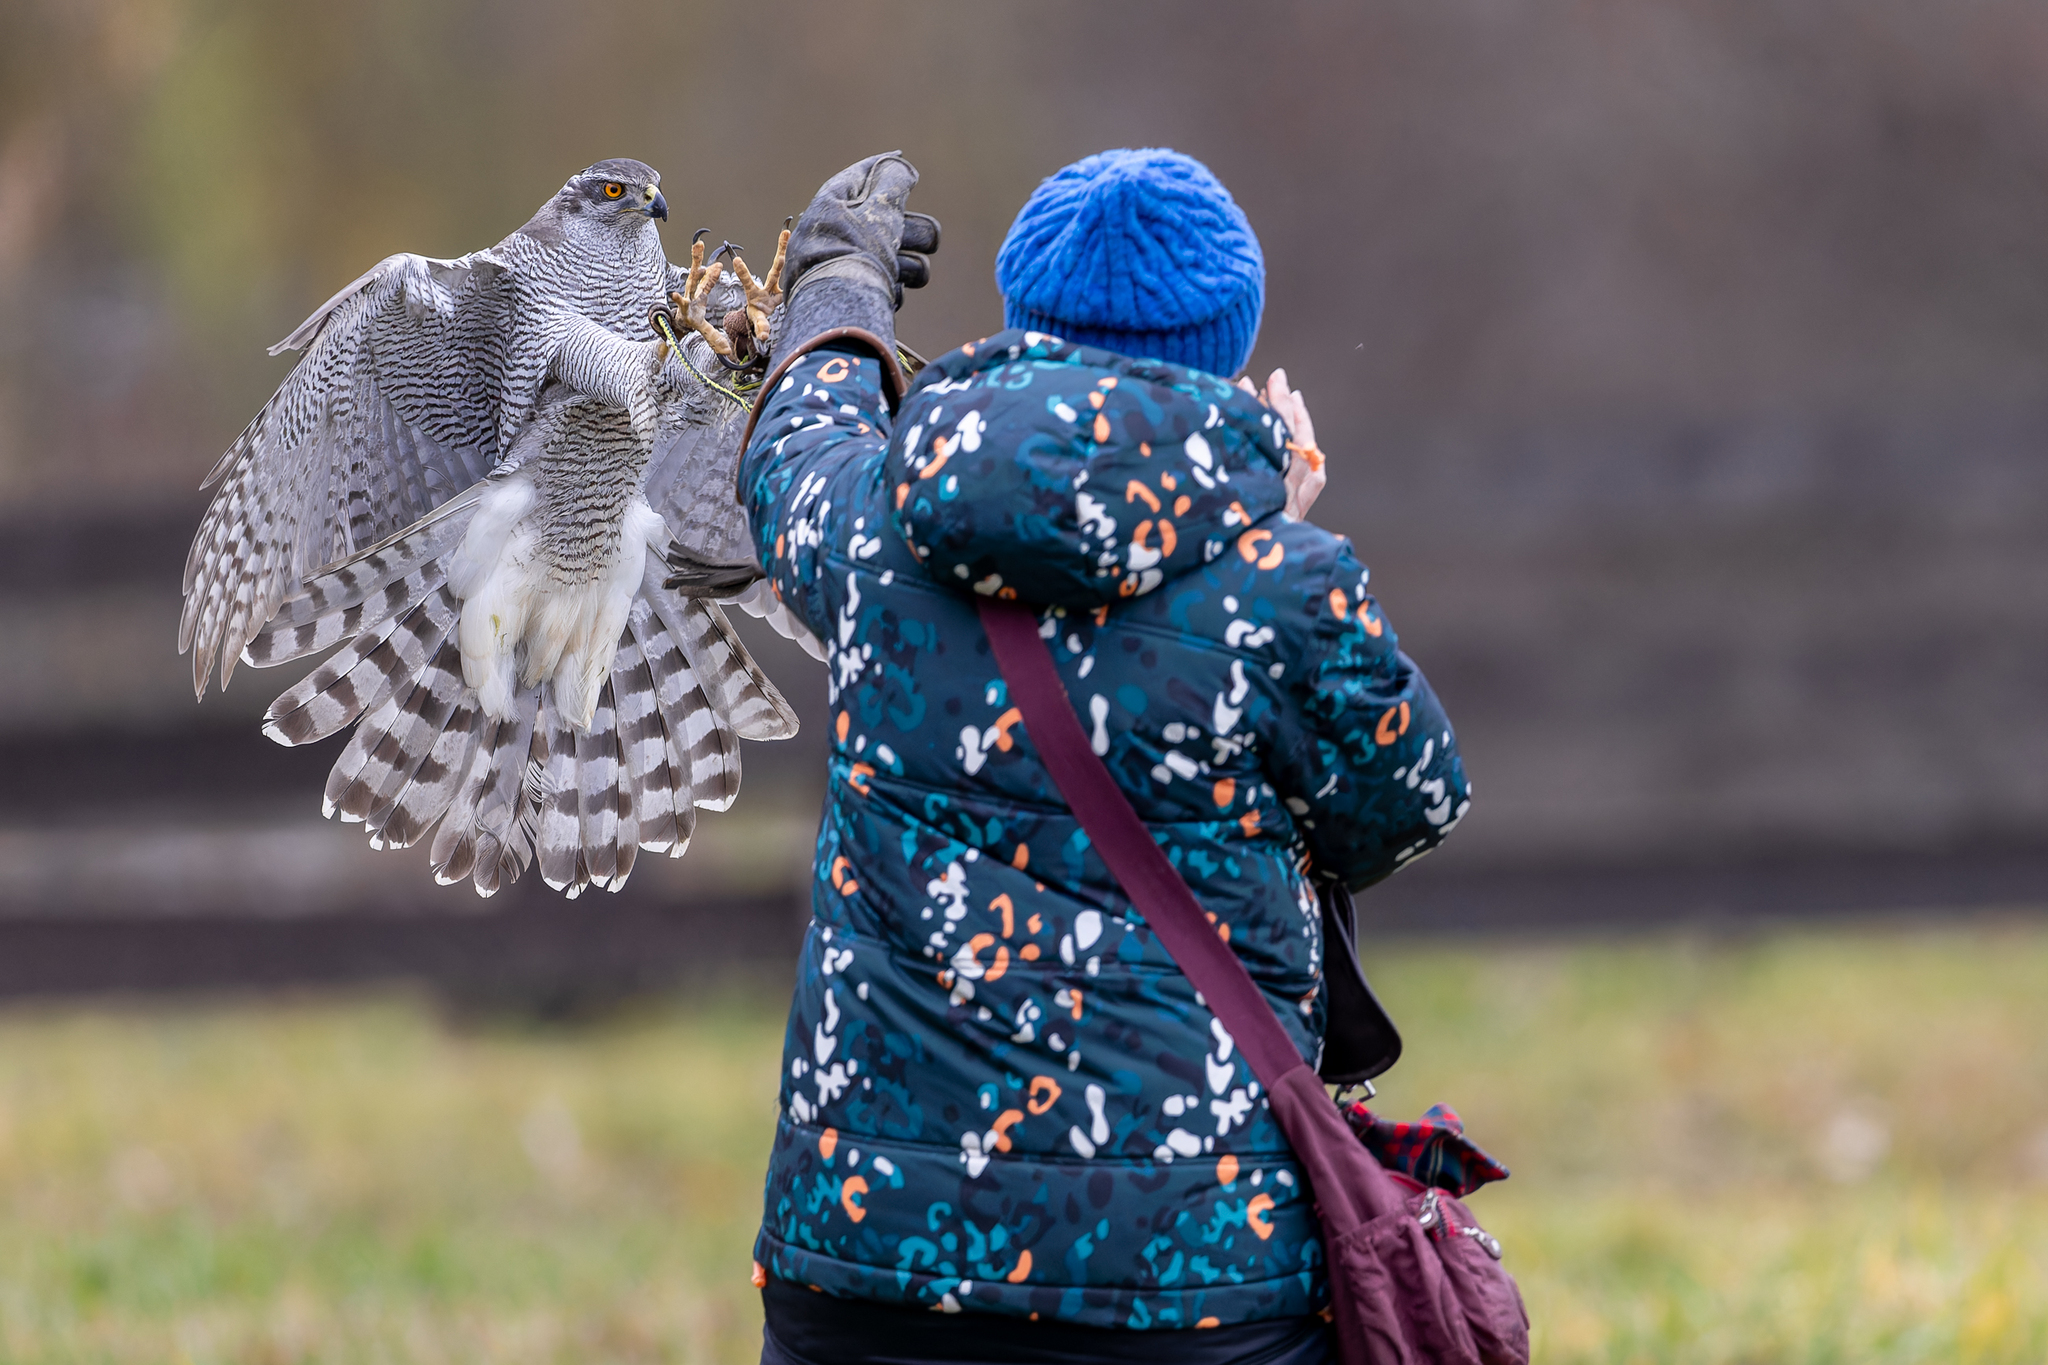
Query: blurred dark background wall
1681,365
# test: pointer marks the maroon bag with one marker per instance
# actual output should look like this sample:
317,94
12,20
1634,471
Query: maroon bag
1412,1278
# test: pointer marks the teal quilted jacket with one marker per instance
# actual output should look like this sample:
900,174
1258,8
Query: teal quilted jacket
999,1096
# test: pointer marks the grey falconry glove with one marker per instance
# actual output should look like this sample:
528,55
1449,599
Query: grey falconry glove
851,255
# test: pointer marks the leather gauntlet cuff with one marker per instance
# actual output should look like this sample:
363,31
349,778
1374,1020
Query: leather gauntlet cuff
846,291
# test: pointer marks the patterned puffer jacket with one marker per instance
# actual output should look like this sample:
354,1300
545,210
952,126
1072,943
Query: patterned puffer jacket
999,1095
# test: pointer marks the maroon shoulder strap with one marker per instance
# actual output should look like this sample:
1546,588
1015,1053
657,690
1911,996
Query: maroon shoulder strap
1123,841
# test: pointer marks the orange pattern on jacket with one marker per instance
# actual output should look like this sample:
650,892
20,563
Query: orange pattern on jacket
850,1191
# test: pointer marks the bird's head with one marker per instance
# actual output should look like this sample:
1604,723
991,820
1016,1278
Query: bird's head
622,192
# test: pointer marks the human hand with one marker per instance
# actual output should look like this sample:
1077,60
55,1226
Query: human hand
1305,477
858,216
848,260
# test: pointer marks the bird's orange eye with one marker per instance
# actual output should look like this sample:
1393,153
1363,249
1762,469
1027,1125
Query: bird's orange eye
614,190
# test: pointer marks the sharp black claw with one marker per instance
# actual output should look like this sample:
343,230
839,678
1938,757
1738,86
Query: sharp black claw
733,248
699,235
694,577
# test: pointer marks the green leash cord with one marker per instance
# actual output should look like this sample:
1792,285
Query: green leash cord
675,344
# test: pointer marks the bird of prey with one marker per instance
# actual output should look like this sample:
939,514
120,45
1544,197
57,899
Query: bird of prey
415,380
484,540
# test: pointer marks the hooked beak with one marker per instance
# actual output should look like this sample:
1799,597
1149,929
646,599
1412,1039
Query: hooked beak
657,207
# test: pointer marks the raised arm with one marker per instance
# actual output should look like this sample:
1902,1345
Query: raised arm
813,466
814,450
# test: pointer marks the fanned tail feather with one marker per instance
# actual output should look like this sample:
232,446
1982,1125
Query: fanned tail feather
605,798
658,752
643,745
507,802
701,744
558,832
500,795
454,848
390,745
754,705
363,675
732,680
760,601
426,796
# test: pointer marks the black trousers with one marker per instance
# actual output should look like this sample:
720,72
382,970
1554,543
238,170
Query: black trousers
808,1328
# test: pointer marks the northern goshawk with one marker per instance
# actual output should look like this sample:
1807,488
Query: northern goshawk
469,483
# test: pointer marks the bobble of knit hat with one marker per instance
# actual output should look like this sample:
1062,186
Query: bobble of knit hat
1142,252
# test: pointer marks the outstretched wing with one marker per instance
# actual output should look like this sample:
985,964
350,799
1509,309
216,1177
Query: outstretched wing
693,482
393,410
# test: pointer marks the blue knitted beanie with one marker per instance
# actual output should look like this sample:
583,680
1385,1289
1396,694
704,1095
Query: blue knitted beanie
1140,252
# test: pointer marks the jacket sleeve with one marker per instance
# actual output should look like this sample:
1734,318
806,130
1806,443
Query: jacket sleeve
1365,760
814,461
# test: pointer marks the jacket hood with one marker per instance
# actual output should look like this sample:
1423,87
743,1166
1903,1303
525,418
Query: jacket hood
1026,466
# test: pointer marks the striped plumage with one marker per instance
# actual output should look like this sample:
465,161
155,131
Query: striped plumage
465,489
415,380
576,777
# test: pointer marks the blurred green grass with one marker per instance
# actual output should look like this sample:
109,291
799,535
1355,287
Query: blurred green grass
1799,1148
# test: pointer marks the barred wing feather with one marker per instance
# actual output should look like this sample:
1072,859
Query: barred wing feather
692,482
392,411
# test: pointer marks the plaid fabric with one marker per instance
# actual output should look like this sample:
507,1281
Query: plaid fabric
1433,1150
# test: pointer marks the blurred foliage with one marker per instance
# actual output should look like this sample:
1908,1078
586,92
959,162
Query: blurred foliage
1814,1148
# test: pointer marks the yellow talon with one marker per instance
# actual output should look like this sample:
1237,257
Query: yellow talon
689,305
763,296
